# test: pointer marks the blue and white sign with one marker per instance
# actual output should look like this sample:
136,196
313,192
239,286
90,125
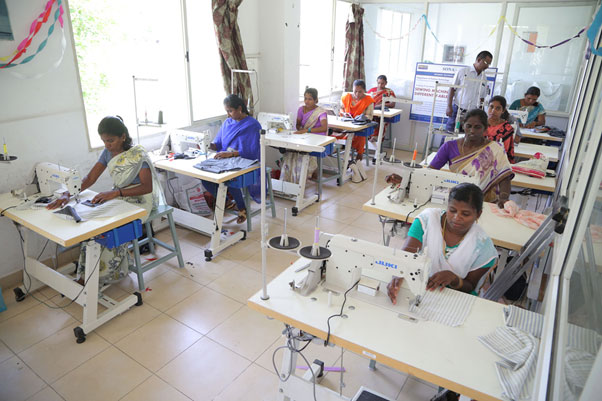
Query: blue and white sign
424,89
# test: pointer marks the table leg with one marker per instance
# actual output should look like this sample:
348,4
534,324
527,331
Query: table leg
319,177
346,158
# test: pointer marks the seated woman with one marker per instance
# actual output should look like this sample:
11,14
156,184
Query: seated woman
500,130
355,104
311,119
135,181
460,251
475,155
537,114
238,136
377,94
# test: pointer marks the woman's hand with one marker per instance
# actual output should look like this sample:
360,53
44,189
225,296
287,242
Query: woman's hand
393,289
300,131
393,179
225,155
531,125
60,202
105,196
441,280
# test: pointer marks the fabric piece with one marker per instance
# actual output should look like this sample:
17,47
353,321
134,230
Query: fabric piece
468,98
105,158
516,370
475,251
221,165
533,110
527,218
534,167
448,307
503,133
354,47
230,45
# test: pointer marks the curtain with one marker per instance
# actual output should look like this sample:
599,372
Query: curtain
229,43
354,48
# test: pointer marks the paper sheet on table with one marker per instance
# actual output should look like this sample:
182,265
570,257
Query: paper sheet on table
105,210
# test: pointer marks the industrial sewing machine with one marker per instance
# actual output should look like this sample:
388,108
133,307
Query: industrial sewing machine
373,266
190,143
52,177
273,122
521,115
422,184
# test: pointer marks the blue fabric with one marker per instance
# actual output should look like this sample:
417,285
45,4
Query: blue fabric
235,192
105,158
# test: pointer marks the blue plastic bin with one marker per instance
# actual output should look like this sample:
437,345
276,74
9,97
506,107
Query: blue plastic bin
327,151
2,304
242,181
120,235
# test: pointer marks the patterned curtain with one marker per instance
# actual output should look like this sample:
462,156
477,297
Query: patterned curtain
354,48
229,42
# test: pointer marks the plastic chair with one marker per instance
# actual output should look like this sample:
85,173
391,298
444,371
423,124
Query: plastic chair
139,268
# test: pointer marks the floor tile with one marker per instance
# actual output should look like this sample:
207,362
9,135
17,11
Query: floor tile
48,394
18,381
277,261
240,283
13,307
77,311
5,352
33,325
415,390
203,370
158,342
108,376
122,325
240,251
368,221
247,332
342,214
168,289
204,310
58,354
355,200
201,271
154,389
255,383
384,380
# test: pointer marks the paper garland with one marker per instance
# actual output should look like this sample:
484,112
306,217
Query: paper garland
592,32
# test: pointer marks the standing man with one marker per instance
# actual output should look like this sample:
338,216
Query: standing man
475,92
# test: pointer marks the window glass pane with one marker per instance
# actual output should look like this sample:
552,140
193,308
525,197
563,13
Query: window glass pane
343,10
206,80
392,44
314,49
116,40
554,71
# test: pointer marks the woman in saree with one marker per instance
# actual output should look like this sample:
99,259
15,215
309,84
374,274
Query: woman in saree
475,155
537,114
311,119
134,181
499,129
237,137
354,104
377,94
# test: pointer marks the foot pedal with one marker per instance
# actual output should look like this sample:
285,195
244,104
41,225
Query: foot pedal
364,394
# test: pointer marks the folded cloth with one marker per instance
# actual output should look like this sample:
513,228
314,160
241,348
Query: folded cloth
534,167
222,165
525,217
448,307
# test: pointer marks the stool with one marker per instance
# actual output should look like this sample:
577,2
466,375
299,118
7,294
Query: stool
247,197
139,268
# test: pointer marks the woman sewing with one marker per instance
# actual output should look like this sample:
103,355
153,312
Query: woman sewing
475,155
134,181
460,251
238,136
499,129
355,104
311,119
377,93
537,114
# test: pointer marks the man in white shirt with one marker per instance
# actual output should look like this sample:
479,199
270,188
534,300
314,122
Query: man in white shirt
474,94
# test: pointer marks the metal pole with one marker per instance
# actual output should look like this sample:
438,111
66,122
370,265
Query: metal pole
264,255
381,129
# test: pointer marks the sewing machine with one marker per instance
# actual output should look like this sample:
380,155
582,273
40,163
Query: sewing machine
273,122
52,177
188,142
422,184
520,115
371,264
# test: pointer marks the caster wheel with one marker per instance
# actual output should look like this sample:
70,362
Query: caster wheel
139,296
295,210
79,335
19,294
208,255
244,235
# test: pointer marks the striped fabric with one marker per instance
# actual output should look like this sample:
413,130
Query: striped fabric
447,307
518,351
577,365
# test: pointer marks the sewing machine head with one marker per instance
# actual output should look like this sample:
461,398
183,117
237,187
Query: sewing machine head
189,142
429,184
520,115
52,177
353,259
275,122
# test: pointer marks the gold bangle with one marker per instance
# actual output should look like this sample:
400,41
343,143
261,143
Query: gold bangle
460,283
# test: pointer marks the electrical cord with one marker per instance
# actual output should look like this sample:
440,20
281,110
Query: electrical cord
4,210
416,208
340,313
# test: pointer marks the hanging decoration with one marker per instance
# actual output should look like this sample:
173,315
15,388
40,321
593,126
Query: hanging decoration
592,32
33,31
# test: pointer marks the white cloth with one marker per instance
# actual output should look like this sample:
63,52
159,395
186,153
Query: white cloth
469,97
448,307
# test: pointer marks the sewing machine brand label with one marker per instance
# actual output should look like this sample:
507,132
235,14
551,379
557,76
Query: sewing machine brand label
386,264
451,181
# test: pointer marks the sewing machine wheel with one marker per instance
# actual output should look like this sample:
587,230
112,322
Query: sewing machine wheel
79,335
208,255
19,294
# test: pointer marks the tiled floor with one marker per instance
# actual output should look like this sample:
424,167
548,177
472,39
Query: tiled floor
194,337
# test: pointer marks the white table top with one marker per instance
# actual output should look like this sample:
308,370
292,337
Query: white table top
451,357
335,122
531,133
388,114
528,150
300,142
547,184
186,167
504,232
67,232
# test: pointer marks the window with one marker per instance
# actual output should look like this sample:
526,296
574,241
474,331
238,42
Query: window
393,47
